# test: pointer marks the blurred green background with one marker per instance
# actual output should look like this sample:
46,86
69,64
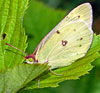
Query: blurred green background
40,17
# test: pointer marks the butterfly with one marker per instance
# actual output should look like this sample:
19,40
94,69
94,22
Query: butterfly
67,42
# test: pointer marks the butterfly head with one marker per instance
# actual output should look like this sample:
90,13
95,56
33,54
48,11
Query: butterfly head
30,59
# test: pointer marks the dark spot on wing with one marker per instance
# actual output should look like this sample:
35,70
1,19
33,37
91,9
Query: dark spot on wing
4,36
74,29
64,42
80,45
81,38
78,16
58,32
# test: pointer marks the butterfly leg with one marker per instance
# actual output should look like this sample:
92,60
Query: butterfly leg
54,72
38,78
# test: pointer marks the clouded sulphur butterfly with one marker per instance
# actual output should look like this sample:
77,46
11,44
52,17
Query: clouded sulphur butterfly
68,41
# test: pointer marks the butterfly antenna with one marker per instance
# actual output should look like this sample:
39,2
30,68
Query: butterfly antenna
16,48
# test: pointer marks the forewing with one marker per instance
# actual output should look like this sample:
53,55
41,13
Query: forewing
82,12
66,45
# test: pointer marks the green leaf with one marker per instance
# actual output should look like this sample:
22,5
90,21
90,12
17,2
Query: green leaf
12,32
14,79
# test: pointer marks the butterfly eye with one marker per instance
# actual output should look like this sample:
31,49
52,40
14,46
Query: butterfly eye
30,59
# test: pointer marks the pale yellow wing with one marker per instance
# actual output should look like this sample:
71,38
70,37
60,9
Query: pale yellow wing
68,44
82,12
